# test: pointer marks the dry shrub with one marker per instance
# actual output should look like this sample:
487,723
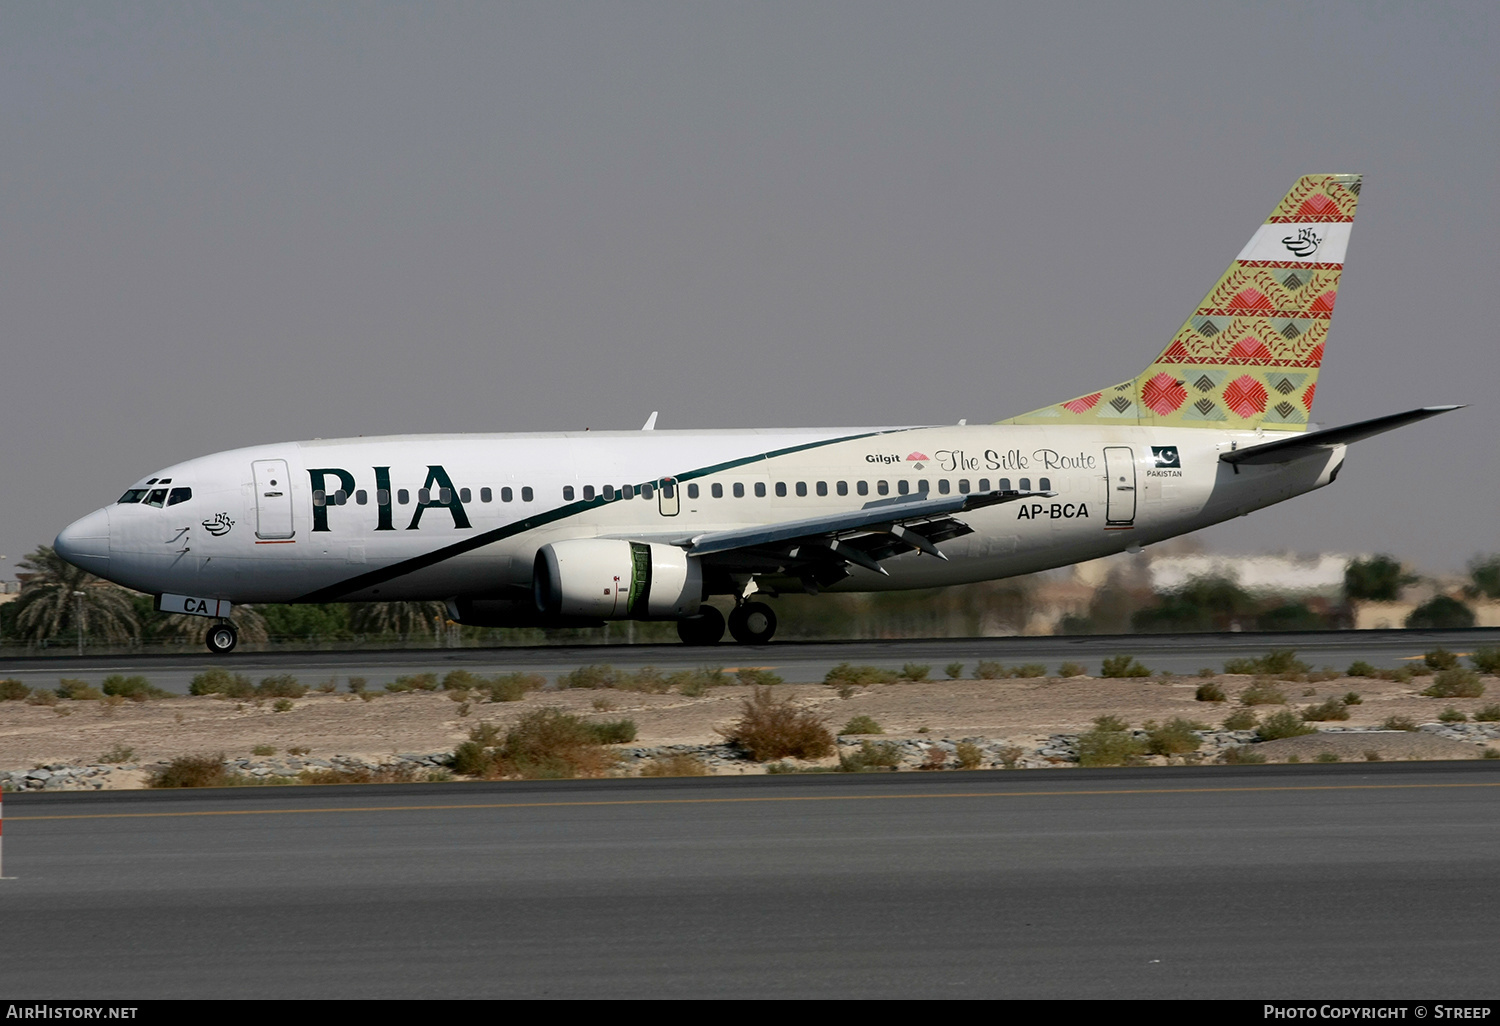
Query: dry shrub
1333,709
503,687
1110,743
757,677
915,672
936,759
847,674
41,696
862,725
969,755
12,690
78,690
679,765
543,744
772,728
402,774
1072,670
1123,666
1175,737
1263,693
1282,724
695,683
136,688
988,669
411,682
1210,693
1011,755
194,771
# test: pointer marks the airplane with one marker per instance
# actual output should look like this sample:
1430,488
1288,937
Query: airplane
580,528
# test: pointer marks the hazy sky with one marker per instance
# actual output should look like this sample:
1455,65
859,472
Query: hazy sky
235,223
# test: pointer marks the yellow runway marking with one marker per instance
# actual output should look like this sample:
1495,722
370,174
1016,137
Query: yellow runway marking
764,800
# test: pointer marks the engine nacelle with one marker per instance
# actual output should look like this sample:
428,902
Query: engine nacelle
607,579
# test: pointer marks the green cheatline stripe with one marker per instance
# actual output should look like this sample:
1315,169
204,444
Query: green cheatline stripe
368,580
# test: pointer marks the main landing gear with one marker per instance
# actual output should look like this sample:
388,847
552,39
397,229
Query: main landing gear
704,629
752,623
222,637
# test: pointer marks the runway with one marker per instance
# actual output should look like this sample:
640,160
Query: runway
1367,881
794,661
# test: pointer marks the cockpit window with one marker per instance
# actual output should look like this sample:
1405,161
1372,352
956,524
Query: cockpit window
158,497
134,495
179,495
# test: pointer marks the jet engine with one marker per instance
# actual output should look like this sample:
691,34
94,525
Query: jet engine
607,579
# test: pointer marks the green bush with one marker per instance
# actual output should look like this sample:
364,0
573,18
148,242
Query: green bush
1210,693
1440,659
78,690
221,682
1123,666
695,683
283,705
861,725
870,755
1360,668
1240,719
915,671
987,669
1110,743
1262,693
954,670
1175,737
461,680
544,743
1455,682
1244,755
858,676
411,682
772,728
1282,724
968,754
595,675
120,753
1029,670
137,688
614,732
1279,662
284,685
1398,723
1352,698
1487,714
1486,660
511,687
1452,715
1072,670
1333,709
12,690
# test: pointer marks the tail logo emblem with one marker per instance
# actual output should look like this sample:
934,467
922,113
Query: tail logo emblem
219,525
1304,244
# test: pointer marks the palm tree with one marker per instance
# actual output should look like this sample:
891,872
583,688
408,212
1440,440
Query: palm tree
403,618
52,596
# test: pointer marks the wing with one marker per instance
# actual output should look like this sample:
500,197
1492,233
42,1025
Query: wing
820,550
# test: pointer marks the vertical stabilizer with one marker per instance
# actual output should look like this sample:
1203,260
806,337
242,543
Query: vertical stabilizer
1249,355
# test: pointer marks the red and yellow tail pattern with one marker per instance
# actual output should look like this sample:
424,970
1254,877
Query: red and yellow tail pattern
1249,355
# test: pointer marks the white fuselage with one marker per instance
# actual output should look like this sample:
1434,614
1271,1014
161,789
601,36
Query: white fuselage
365,519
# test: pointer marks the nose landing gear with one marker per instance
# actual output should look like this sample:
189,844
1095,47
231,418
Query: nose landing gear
222,637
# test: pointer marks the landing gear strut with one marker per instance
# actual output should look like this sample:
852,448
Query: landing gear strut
752,623
222,637
704,629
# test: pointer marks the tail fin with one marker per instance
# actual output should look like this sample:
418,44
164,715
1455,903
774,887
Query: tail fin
1249,355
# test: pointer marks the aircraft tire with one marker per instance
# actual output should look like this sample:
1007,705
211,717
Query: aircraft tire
221,638
704,629
752,623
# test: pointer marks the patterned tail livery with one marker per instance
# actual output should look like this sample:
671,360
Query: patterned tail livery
1249,355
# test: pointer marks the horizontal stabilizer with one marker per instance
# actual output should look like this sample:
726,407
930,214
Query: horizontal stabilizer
1288,449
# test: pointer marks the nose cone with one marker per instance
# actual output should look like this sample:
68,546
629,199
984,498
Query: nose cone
85,543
